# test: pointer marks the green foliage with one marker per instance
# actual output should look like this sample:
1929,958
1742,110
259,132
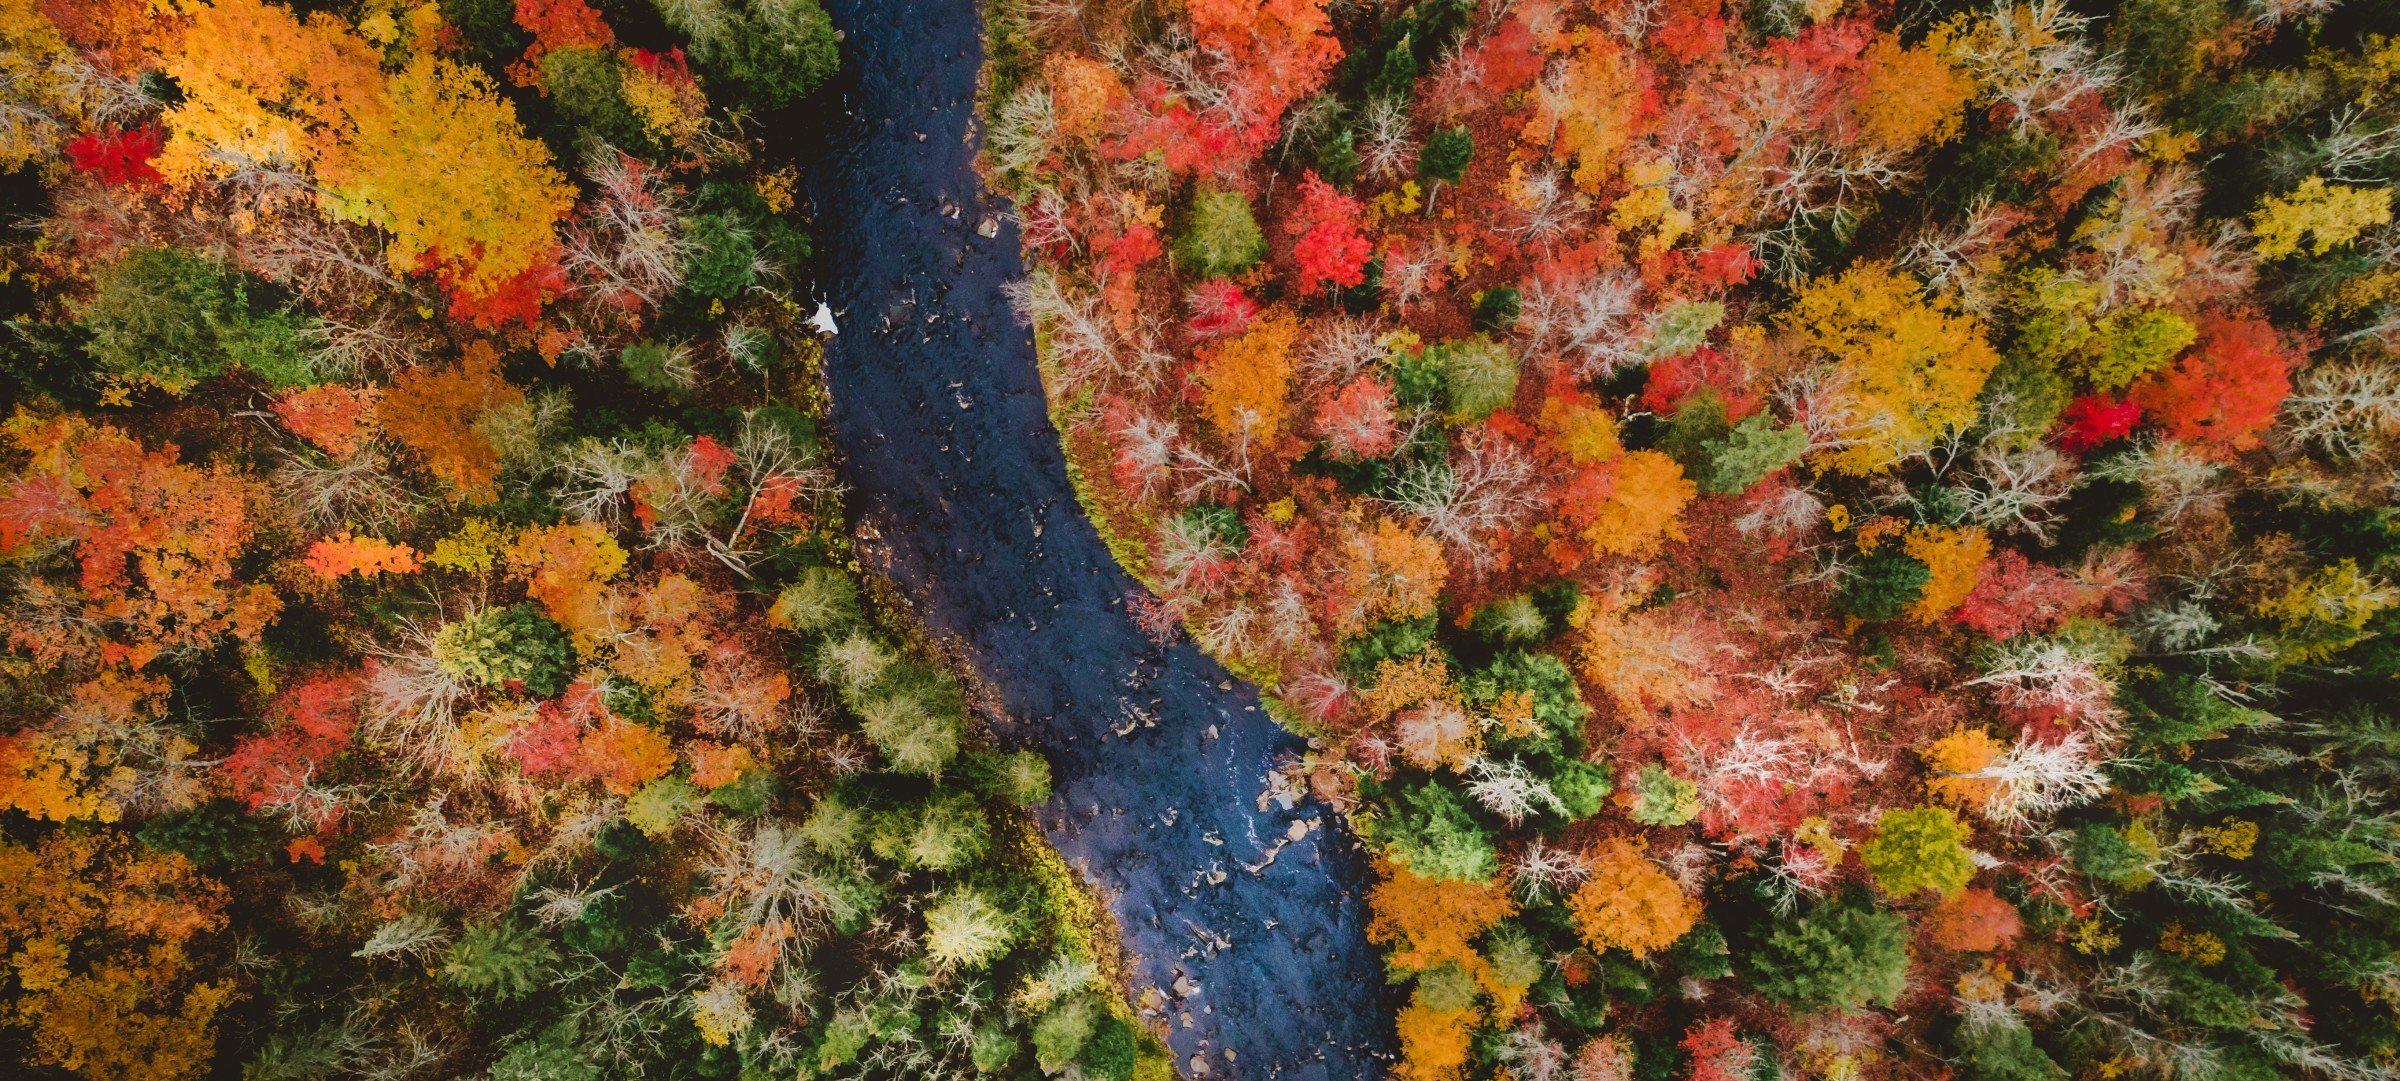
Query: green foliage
1682,328
1061,1033
968,929
1222,238
168,317
1112,1050
722,259
1216,524
516,649
942,833
834,826
822,599
1018,777
588,89
1445,155
1479,376
1662,799
1837,956
501,961
1428,829
2004,1051
554,1055
1884,584
1513,621
1918,850
917,723
1498,309
1581,787
2104,853
776,51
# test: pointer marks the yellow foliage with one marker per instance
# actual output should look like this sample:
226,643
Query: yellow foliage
1651,205
1391,573
1955,555
1904,369
1913,96
1952,760
1400,683
261,87
1585,431
1082,92
31,50
1629,904
475,547
1642,514
2327,217
1586,117
1424,922
1246,382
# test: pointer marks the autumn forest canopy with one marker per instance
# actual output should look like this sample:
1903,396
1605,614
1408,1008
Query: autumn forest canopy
1804,539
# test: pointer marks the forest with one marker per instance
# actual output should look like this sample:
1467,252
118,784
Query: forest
1810,538
434,644
1805,539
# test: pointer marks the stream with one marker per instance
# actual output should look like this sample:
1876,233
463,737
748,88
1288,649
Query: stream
1247,919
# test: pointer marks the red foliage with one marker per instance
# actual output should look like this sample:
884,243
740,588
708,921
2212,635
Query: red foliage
519,298
547,745
2015,595
1126,252
1675,381
314,724
561,24
1718,1052
1511,58
2095,419
117,158
1359,422
1725,265
1331,248
1219,309
2226,388
338,419
1693,33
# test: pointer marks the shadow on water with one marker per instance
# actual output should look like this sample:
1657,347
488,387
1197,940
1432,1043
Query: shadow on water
960,490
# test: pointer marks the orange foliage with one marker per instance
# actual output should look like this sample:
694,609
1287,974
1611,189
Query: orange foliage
1912,96
434,411
339,420
1246,382
566,568
1953,758
1391,573
1630,904
623,756
97,931
154,541
1974,920
335,556
1433,1043
1642,513
1427,921
2226,389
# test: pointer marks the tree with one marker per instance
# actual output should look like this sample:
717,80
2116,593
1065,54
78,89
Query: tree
2226,389
1629,904
2325,217
1911,95
1246,380
1920,849
1424,921
1222,238
1884,584
515,649
100,934
1329,246
1479,376
501,961
440,413
1643,510
1953,557
1974,920
170,318
1444,160
1836,956
966,929
1906,369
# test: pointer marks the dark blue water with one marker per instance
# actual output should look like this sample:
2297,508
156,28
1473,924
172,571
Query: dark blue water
960,491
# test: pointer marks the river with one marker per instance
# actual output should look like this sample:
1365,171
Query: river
960,493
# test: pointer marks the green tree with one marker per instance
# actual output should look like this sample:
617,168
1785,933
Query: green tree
1222,237
516,649
1837,956
1884,584
172,318
501,961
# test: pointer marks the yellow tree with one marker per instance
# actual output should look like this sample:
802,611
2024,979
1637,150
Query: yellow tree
1902,369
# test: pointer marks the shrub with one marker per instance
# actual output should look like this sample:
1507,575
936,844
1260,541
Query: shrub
501,961
1018,777
516,649
172,319
1918,850
822,600
1222,238
1062,1033
1837,956
967,929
